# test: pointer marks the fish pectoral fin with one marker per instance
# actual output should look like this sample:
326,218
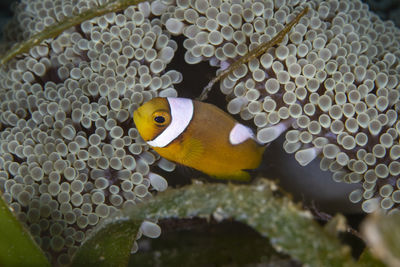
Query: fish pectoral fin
242,176
192,150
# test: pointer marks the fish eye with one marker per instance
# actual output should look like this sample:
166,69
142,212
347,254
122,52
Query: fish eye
159,119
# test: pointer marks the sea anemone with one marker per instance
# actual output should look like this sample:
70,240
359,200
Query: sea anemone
69,152
332,84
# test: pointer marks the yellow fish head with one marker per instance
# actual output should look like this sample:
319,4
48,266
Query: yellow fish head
152,118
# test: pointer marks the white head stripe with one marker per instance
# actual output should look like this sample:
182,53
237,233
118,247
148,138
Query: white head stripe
239,134
181,115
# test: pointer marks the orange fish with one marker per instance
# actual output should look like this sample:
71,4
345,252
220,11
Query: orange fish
199,135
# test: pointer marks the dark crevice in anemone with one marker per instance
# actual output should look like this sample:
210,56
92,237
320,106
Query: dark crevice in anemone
51,75
89,131
195,76
126,125
18,159
78,29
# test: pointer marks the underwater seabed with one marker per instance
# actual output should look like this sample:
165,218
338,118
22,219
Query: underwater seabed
308,184
195,240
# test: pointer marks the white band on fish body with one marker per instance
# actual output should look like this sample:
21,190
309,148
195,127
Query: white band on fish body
181,115
239,134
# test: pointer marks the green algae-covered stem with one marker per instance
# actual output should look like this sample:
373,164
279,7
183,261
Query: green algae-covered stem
259,50
382,234
55,30
17,247
289,229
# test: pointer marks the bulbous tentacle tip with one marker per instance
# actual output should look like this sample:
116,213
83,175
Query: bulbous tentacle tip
269,134
305,156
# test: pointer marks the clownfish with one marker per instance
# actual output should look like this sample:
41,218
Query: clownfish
198,135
